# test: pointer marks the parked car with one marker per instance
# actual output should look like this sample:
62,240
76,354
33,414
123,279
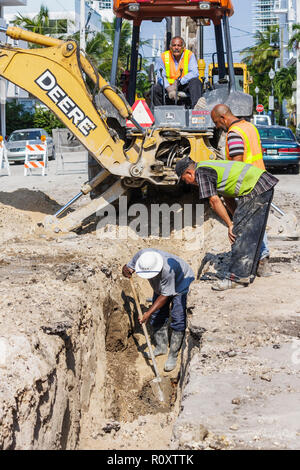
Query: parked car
17,141
261,120
280,147
298,132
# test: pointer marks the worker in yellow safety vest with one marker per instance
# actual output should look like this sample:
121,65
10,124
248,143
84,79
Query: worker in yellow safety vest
242,144
177,73
253,188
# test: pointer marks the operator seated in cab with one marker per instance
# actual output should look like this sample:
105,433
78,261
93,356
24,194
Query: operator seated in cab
177,71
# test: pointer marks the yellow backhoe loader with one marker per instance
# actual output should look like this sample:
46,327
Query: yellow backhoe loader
62,77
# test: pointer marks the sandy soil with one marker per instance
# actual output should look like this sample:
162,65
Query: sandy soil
46,279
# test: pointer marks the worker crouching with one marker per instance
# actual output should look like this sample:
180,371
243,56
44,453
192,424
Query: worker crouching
170,278
253,189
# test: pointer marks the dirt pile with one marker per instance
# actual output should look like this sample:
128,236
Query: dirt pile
72,369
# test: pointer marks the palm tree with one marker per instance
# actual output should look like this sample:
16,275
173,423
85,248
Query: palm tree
260,58
40,24
295,39
266,49
283,82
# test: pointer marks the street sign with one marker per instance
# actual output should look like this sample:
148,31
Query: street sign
141,114
259,108
271,103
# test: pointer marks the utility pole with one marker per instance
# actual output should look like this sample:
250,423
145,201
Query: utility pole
82,25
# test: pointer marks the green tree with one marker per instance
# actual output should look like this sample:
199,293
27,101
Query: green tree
17,117
46,119
41,24
262,55
295,39
260,58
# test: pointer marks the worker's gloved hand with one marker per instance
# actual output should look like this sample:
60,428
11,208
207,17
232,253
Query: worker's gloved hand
126,271
171,90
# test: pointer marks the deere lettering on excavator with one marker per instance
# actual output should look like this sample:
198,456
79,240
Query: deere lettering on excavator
122,157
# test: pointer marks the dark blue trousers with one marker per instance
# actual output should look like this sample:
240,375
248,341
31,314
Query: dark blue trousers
176,305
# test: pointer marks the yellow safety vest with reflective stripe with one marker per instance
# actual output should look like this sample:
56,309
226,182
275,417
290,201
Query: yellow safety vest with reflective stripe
171,72
252,146
235,179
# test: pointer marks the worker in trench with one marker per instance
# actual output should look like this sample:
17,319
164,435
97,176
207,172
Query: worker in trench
170,278
253,188
177,71
242,145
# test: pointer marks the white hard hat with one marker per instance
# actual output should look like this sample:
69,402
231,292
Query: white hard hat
149,264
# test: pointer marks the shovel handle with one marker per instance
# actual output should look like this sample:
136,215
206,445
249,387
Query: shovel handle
140,314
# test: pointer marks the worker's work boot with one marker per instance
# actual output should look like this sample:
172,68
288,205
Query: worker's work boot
175,345
226,284
264,269
161,341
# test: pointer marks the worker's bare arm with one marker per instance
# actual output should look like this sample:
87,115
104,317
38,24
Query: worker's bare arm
230,204
217,205
159,303
237,158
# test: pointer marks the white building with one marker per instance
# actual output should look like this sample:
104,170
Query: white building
286,13
3,83
263,15
104,8
66,11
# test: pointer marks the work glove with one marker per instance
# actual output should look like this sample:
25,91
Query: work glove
171,90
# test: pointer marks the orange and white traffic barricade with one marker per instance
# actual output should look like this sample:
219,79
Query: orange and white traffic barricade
3,156
32,151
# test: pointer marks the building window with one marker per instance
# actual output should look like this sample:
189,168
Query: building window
58,26
105,5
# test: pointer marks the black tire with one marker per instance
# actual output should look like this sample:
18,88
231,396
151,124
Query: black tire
296,169
53,156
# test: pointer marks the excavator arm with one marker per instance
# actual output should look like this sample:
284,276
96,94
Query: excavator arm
55,74
62,78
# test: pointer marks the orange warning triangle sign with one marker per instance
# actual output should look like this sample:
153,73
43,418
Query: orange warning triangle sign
142,114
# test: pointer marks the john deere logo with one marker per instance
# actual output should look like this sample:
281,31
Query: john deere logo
57,95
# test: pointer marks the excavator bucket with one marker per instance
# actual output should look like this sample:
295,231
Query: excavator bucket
74,219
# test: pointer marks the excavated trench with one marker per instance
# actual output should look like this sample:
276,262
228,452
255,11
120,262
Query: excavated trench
128,395
73,373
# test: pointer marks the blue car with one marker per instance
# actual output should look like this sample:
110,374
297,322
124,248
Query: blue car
280,147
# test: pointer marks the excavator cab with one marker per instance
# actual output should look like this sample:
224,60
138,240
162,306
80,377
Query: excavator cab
204,13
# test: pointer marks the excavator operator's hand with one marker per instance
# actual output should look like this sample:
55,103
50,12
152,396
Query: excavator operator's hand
171,90
126,271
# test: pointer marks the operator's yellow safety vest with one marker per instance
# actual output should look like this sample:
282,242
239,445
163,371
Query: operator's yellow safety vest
171,73
234,178
252,145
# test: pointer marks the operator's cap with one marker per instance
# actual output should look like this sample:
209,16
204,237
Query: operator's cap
181,166
149,264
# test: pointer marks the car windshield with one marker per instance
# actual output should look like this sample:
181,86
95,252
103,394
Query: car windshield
262,120
25,135
276,134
